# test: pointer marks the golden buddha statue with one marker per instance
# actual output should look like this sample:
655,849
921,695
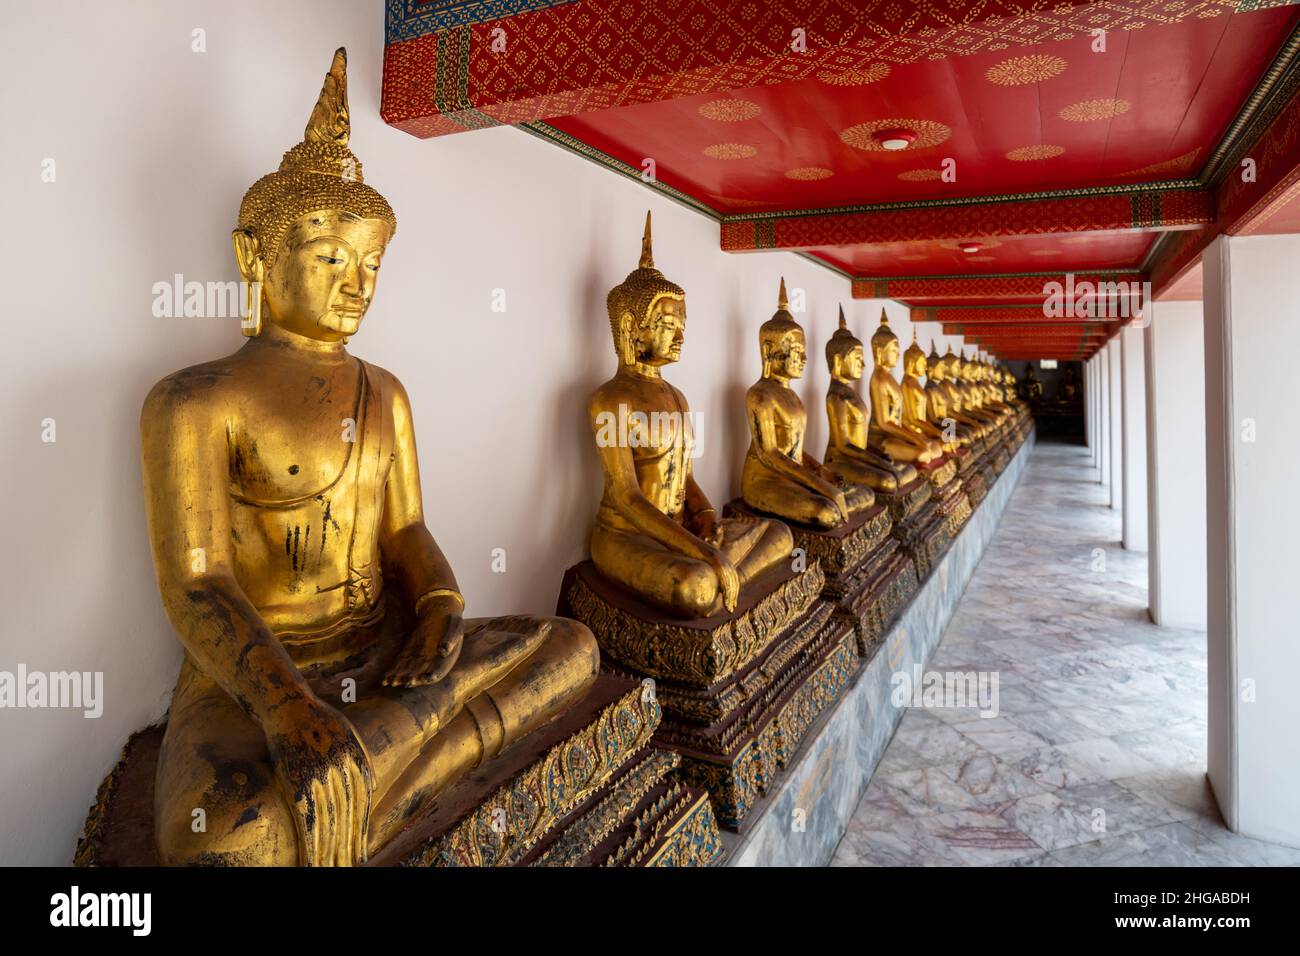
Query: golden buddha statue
973,397
656,533
936,400
779,477
916,411
1031,389
947,375
330,686
887,434
847,453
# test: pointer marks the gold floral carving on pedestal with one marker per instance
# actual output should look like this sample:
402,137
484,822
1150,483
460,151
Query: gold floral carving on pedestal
546,791
695,655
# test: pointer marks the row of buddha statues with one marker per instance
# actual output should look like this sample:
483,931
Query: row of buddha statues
336,705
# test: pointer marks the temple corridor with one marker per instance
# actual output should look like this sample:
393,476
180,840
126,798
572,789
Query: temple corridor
1097,755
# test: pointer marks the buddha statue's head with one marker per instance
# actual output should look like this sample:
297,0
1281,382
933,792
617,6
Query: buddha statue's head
312,233
936,365
781,342
844,355
914,361
884,344
647,313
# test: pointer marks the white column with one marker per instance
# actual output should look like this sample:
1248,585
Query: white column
1095,368
1175,361
1115,455
1133,390
1088,420
1252,335
1103,416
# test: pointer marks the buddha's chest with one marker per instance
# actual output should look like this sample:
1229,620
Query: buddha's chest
301,440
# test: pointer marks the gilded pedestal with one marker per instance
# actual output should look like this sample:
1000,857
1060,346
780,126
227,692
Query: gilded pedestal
738,690
869,576
587,789
949,494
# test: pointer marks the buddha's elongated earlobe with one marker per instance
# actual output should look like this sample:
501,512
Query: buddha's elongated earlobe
252,270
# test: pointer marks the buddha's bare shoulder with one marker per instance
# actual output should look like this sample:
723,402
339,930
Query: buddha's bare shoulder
190,390
607,397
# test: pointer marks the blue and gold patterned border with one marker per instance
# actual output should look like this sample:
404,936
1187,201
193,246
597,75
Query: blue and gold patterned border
408,19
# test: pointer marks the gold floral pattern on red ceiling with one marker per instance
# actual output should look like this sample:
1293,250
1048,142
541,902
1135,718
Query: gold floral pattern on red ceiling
730,151
702,46
1029,154
856,77
1024,70
1179,164
809,173
928,133
729,111
919,175
741,203
1089,111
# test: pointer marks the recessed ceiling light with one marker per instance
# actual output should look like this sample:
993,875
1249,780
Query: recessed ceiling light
969,247
894,139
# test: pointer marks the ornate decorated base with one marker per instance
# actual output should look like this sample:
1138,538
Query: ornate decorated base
868,575
973,479
585,789
923,533
949,494
737,690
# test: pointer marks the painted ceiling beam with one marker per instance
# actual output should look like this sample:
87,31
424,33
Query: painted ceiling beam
453,66
1034,287
974,316
1126,209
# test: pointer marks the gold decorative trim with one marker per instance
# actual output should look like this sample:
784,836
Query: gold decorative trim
695,655
504,827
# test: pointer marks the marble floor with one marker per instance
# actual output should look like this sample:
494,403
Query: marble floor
1096,756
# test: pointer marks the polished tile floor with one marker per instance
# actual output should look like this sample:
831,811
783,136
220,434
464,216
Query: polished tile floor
1097,754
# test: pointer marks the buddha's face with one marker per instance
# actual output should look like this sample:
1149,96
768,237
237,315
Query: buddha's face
854,363
919,366
886,356
787,355
323,278
660,337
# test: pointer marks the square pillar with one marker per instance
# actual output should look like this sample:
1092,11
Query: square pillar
1103,417
1252,335
1115,427
1089,419
1175,362
1133,391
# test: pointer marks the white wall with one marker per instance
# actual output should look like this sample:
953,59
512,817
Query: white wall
1134,414
1252,332
154,145
1175,362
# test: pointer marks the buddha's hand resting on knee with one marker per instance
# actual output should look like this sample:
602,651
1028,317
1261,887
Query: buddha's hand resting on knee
433,646
323,768
728,577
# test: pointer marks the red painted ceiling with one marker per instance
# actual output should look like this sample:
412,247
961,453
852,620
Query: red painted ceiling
1005,254
1173,90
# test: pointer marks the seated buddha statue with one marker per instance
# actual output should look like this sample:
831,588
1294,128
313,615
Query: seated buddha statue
1067,393
973,397
1031,389
779,477
947,375
331,685
916,410
887,433
987,377
847,453
936,400
656,533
